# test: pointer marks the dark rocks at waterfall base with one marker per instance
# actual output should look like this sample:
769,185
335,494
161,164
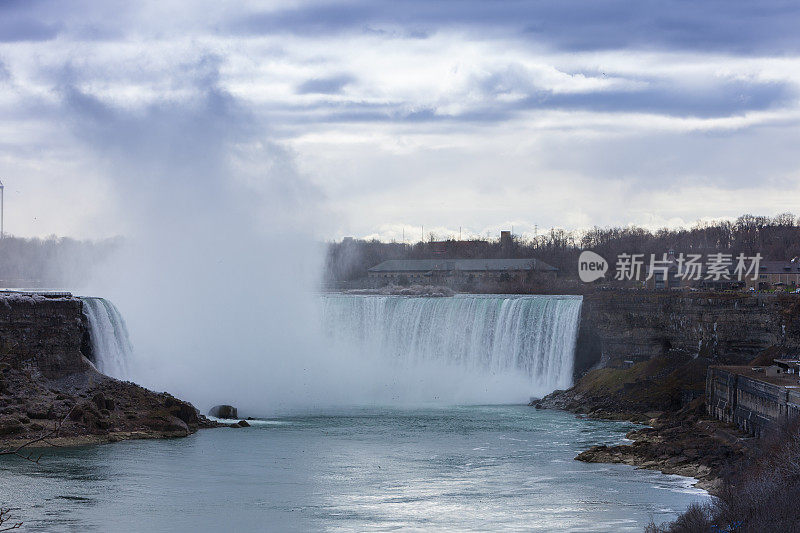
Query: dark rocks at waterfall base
47,380
89,407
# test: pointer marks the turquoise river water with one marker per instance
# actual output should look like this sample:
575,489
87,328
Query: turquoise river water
480,468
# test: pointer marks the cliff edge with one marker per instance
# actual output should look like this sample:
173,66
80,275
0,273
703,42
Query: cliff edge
643,356
51,390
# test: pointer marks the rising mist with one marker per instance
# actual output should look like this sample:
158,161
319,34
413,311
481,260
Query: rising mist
219,273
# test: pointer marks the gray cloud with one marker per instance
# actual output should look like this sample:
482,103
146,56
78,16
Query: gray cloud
27,21
661,161
331,85
666,97
16,28
737,26
673,99
717,25
118,91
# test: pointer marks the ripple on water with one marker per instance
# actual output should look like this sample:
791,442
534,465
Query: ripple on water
444,469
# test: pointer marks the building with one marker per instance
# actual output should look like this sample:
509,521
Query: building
788,366
506,241
776,274
666,279
446,270
757,399
675,272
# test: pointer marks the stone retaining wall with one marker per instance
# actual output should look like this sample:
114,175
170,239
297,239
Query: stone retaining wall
754,405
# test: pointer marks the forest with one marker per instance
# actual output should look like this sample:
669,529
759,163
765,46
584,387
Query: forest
52,262
775,238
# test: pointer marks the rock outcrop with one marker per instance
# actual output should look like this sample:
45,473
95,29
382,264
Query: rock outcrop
224,411
649,352
47,381
685,444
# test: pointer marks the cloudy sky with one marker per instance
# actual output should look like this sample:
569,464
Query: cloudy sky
392,116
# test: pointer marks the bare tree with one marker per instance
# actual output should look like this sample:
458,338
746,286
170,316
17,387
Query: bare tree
774,237
20,451
5,525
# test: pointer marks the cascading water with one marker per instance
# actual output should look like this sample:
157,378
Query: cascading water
397,349
532,336
111,345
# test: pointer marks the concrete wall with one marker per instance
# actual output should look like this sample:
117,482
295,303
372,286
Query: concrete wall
755,406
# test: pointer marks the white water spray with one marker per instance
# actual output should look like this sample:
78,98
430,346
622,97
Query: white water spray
483,335
400,350
111,346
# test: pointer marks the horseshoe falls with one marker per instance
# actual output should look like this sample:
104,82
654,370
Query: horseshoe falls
503,347
111,346
392,350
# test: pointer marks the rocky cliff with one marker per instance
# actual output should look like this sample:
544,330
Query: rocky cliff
643,356
729,328
45,332
47,380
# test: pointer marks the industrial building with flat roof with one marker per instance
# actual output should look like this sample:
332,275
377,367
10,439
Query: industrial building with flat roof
422,269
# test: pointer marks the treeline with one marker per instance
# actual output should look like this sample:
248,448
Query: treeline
773,237
54,262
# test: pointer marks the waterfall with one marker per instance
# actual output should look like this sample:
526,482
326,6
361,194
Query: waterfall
531,336
111,346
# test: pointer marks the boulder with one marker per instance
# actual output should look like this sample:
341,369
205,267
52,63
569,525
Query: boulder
185,412
224,411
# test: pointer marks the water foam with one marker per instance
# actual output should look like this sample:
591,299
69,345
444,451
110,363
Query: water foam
529,336
111,345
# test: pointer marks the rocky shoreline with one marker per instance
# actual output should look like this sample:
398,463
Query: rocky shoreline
86,408
677,440
51,393
701,450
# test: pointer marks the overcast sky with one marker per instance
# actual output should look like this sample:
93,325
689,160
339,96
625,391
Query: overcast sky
391,116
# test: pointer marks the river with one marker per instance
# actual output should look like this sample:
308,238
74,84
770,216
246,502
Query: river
470,468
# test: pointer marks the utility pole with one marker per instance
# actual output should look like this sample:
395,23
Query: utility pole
2,211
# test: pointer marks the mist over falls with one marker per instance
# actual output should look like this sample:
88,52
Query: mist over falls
217,277
392,350
488,348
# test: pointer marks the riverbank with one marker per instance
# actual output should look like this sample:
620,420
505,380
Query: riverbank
680,438
686,446
86,408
